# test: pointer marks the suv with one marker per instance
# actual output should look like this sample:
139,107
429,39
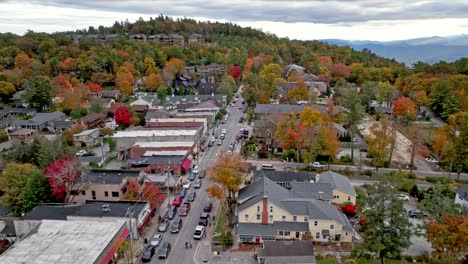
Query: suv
148,254
176,226
317,165
204,219
184,209
171,212
164,250
199,232
207,207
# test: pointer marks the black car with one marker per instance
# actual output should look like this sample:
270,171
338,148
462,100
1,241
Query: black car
416,213
191,196
191,177
207,207
148,254
171,212
241,119
164,250
204,219
176,226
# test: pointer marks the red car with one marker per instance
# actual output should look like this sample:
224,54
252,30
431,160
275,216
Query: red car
177,201
184,209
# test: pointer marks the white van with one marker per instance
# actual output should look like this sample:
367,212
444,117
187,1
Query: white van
267,167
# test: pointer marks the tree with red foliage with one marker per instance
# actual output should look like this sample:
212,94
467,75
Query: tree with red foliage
63,176
404,108
235,72
349,210
94,87
339,71
123,117
148,192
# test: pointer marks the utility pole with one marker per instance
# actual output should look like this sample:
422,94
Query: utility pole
130,216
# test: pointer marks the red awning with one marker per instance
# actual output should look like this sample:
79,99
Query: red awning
186,164
147,219
115,246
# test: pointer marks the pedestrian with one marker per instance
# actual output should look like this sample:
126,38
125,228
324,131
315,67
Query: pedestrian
190,244
186,244
214,218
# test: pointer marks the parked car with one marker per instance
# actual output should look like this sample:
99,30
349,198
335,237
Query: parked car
164,250
176,226
402,197
317,165
186,184
156,240
207,207
231,148
414,213
171,212
204,219
197,184
191,177
184,209
163,225
177,201
222,136
224,131
212,142
148,254
196,170
201,175
199,232
241,119
220,142
191,196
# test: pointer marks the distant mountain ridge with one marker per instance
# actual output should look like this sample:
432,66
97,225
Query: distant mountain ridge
429,50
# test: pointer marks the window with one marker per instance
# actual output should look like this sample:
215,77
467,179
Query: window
73,192
83,192
271,209
332,226
283,218
115,194
315,223
294,218
271,218
280,233
317,235
246,217
93,194
258,217
106,193
287,233
349,198
306,218
258,208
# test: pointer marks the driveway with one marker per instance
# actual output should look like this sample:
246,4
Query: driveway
419,245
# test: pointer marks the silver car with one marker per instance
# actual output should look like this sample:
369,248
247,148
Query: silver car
156,239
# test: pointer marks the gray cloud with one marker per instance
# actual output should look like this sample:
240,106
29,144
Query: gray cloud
315,11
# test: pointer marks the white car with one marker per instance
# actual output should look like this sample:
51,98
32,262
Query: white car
196,169
156,240
81,153
224,131
403,197
199,232
317,165
186,184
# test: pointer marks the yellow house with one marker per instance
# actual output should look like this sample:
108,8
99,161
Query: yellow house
343,191
267,211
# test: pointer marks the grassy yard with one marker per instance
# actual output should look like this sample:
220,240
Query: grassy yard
220,222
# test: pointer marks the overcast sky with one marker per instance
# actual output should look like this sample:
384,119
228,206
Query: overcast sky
300,19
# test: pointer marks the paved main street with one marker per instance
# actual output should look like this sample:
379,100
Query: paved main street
179,254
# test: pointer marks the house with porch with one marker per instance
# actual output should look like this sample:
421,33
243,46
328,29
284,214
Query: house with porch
87,138
40,121
267,211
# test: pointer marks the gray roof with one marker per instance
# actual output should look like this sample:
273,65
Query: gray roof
156,114
272,229
150,160
287,248
278,108
51,212
338,181
40,118
462,191
311,190
16,111
180,99
108,176
282,176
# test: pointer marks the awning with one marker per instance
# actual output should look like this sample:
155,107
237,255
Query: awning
186,164
115,246
147,219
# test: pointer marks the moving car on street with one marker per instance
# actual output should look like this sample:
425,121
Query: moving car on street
148,254
196,170
191,196
317,165
164,250
184,209
176,225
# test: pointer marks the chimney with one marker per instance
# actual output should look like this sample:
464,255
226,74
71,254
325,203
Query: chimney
320,195
317,178
265,210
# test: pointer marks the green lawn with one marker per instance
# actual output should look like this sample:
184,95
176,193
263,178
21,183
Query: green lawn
220,222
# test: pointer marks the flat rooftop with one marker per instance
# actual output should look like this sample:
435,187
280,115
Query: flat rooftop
154,133
64,242
159,144
165,153
108,176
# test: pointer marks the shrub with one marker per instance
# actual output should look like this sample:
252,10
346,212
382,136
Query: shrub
438,180
346,158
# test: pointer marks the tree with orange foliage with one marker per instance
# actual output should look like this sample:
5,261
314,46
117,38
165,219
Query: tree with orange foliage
22,61
439,140
152,82
339,71
228,174
329,142
95,87
124,81
294,76
148,192
247,68
68,64
448,238
404,108
287,132
173,67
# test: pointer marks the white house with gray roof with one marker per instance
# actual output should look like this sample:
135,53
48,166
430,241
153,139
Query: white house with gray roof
267,211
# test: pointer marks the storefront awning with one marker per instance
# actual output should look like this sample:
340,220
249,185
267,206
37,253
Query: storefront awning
186,164
115,247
